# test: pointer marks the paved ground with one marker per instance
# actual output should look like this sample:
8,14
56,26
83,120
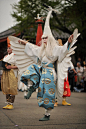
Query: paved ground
26,114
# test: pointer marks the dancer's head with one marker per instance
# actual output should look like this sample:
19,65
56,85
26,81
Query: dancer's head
9,50
44,40
48,43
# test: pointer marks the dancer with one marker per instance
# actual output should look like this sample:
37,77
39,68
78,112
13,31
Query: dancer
67,91
9,79
43,76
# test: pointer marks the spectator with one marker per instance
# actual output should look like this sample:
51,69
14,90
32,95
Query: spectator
79,60
84,76
0,78
71,76
79,87
79,70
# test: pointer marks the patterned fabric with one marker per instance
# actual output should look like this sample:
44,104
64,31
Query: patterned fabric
43,79
9,82
67,91
10,98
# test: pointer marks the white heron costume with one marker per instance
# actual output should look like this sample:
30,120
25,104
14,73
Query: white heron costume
43,76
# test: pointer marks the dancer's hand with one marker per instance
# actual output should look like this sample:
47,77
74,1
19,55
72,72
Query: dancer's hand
11,67
70,39
22,42
8,67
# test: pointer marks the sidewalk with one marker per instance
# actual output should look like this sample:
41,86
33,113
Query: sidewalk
26,113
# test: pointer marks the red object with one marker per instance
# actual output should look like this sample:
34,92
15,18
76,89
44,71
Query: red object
75,78
67,91
39,33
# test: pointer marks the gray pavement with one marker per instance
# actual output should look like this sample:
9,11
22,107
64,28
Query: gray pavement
26,113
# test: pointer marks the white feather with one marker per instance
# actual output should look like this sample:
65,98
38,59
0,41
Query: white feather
62,67
23,61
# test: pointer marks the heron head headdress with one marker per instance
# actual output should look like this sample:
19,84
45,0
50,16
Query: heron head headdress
47,31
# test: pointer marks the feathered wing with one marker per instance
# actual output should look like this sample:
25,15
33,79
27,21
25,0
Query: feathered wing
62,67
22,59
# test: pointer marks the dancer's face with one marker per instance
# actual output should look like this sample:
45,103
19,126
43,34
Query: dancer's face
9,50
45,39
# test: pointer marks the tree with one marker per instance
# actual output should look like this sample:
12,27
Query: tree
25,12
71,15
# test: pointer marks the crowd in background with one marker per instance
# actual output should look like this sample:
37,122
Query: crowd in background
77,76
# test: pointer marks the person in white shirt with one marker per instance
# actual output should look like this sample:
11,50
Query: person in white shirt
79,70
9,79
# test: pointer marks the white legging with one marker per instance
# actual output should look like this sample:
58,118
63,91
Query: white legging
30,83
47,112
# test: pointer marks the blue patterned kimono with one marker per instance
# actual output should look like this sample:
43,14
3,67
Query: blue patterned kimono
43,79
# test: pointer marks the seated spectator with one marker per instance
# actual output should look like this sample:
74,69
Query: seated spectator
84,76
79,70
80,61
79,87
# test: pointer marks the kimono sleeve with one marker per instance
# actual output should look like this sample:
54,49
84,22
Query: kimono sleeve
60,51
31,51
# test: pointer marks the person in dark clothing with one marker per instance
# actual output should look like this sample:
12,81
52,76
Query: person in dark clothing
79,87
71,74
80,61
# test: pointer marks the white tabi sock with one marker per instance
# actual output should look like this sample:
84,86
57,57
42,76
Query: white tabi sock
30,83
47,112
64,98
7,103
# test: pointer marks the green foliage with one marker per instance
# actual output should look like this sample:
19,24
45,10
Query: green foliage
75,17
25,13
71,15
